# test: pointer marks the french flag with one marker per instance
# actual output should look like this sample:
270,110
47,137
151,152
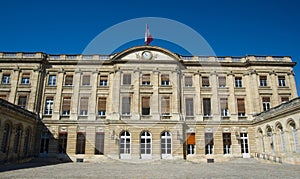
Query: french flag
148,37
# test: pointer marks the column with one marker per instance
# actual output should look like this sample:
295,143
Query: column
75,97
292,85
155,101
218,141
274,99
114,100
72,135
175,79
135,107
215,101
14,81
58,95
198,101
90,141
93,97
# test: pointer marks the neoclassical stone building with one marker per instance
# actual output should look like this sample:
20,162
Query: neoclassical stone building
147,102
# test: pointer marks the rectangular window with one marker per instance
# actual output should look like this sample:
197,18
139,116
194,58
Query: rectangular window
86,80
206,107
263,80
48,106
66,106
227,143
22,101
3,96
103,80
241,107
102,106
52,80
99,143
126,105
189,107
80,143
191,142
205,81
5,79
238,82
165,80
165,105
126,79
25,79
188,81
146,79
284,99
62,142
69,80
146,105
222,81
209,143
266,103
84,105
224,107
281,80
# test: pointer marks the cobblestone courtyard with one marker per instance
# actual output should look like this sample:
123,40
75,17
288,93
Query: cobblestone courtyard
238,168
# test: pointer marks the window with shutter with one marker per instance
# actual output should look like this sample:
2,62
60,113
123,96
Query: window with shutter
188,81
266,103
126,79
191,142
222,81
84,102
281,80
146,79
241,107
189,107
284,99
165,105
226,143
224,106
99,143
263,80
205,81
80,143
66,106
165,81
209,143
86,80
126,104
25,78
238,82
145,105
103,80
22,101
102,106
206,107
69,80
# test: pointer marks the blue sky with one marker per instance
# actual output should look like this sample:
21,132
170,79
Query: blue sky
231,27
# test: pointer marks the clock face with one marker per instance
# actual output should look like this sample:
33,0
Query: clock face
147,55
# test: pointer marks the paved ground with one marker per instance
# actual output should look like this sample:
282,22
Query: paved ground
237,168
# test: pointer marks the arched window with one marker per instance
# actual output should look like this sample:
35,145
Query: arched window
261,139
26,142
294,143
270,138
280,132
5,137
166,144
145,143
125,145
17,139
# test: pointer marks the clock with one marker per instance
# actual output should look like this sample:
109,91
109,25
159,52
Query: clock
147,55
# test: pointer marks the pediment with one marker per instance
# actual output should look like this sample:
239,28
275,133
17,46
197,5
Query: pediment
145,53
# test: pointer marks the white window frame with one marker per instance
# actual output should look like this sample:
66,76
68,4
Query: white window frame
166,142
146,146
48,106
52,80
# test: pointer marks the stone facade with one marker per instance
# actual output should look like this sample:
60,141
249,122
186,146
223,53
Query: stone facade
18,129
147,102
